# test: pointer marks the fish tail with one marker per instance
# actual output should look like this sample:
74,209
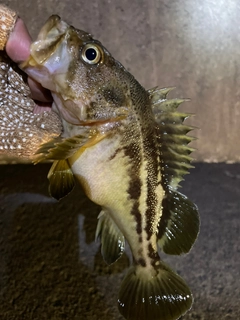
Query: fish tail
153,293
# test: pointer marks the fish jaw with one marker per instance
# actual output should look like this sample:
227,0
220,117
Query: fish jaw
49,53
51,56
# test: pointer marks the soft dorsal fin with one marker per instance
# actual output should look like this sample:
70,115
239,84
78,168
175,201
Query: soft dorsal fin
179,224
112,239
173,138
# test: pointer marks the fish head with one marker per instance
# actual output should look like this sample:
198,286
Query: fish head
88,85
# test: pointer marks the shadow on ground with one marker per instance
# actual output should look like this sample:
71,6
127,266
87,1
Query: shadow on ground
51,268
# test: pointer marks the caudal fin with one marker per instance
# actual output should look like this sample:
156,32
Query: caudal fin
162,295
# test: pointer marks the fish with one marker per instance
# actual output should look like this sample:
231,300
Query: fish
129,149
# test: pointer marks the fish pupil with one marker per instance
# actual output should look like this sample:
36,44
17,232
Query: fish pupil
91,54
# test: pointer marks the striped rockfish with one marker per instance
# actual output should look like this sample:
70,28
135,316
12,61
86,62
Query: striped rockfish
128,148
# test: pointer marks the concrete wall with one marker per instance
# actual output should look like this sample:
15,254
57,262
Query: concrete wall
191,44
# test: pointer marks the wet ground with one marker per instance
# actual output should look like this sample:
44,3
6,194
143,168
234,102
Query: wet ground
51,268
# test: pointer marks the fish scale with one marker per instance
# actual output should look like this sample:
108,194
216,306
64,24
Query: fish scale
128,148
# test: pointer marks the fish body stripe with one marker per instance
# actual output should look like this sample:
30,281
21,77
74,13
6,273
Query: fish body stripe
146,192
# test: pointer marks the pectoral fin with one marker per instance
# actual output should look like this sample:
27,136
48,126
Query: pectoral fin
112,239
60,148
61,179
179,224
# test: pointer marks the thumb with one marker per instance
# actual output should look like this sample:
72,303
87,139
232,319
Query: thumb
19,41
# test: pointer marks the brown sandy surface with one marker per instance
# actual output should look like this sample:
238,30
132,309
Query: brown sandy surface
51,268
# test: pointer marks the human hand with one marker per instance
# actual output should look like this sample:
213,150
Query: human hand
23,129
18,49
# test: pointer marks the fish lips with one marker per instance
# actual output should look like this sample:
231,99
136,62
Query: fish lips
53,27
49,55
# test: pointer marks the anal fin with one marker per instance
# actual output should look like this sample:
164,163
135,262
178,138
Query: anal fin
179,224
61,179
112,239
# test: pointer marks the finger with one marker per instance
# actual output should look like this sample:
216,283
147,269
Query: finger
38,92
18,49
18,44
41,107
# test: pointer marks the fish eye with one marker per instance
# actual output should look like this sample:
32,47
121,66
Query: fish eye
91,54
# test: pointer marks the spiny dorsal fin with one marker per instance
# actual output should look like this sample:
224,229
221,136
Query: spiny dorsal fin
173,138
61,179
112,239
159,94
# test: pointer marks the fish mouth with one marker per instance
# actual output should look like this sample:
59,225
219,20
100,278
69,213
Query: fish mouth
49,40
53,27
49,54
51,61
